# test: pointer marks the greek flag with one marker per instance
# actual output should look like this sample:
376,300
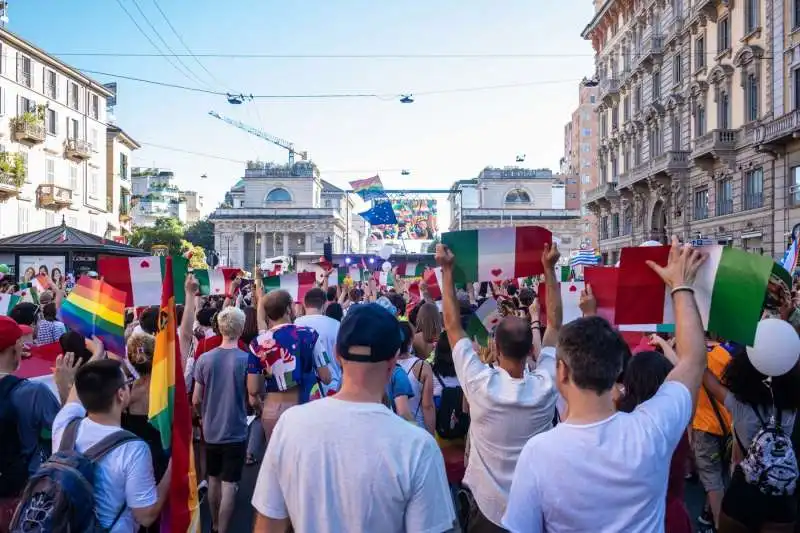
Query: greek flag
584,257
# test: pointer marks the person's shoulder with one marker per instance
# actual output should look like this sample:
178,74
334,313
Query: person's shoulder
68,412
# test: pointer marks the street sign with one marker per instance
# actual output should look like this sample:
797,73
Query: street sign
702,242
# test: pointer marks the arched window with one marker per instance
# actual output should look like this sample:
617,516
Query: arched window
518,196
279,195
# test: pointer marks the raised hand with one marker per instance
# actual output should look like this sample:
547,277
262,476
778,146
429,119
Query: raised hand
444,256
682,265
587,302
550,256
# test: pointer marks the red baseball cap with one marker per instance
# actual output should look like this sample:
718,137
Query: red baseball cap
10,332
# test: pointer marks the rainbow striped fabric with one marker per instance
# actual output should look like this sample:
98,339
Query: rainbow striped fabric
369,188
169,413
96,308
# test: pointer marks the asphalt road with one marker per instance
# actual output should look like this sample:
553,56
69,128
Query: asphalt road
243,515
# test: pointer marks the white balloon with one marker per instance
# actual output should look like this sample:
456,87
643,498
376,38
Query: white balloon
776,348
386,266
386,252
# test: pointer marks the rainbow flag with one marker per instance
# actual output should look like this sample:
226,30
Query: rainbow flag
96,308
369,188
169,413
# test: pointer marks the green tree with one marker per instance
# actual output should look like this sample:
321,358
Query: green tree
201,233
166,231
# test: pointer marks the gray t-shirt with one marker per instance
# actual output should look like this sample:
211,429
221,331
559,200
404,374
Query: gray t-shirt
36,409
222,373
746,422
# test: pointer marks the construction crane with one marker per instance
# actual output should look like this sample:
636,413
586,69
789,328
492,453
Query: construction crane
286,145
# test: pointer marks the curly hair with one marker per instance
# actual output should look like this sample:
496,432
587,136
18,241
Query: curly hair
141,347
749,386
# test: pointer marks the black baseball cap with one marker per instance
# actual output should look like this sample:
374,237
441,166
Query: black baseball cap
368,334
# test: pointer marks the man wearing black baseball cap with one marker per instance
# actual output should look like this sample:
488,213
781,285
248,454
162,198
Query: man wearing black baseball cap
393,470
27,410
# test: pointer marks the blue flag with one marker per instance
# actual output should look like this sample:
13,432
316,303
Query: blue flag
381,212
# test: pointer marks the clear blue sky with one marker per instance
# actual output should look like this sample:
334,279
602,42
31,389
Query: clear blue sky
440,138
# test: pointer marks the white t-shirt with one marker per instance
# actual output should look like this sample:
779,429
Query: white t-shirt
328,329
338,467
505,412
604,477
123,477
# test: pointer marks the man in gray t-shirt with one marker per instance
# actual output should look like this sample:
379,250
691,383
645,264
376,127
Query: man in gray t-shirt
219,393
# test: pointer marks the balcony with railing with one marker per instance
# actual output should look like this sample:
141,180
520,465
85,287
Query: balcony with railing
653,49
9,184
52,196
724,207
753,200
715,142
78,149
780,130
705,7
28,130
670,161
604,191
609,86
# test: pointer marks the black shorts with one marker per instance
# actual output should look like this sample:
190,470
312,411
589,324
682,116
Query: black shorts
226,461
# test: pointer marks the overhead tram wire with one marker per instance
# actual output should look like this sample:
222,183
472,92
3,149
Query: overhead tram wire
186,46
311,96
166,45
150,40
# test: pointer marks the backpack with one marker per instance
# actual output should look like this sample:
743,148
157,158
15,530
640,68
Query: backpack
58,496
13,464
451,420
770,463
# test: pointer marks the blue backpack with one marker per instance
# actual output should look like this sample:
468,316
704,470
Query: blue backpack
58,497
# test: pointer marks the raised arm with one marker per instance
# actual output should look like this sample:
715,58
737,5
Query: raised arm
555,313
450,307
679,275
185,335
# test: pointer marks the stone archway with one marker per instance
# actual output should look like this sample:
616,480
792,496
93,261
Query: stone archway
658,222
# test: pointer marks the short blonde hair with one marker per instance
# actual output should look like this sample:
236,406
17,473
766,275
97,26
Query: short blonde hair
230,322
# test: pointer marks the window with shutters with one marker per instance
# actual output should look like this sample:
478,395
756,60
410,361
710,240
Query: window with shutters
93,182
25,105
49,220
73,177
723,35
72,129
751,97
656,85
72,222
24,217
50,89
723,111
750,16
699,53
754,189
724,199
24,72
93,140
677,69
51,119
701,204
73,96
50,170
2,98
94,106
94,227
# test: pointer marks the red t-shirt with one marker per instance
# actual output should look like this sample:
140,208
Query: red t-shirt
209,343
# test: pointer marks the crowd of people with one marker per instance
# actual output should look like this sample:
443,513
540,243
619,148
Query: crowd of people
370,409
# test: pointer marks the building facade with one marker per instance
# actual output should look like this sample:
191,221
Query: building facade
119,150
512,196
155,195
52,146
579,163
282,210
684,90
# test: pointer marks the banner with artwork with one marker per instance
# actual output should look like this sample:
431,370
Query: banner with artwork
416,220
50,265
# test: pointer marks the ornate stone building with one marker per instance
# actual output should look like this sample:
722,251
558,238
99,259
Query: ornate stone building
515,196
282,210
684,88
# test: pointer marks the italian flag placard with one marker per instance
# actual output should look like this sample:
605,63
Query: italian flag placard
498,253
297,285
413,269
140,277
570,301
341,274
7,303
433,280
216,282
484,321
730,289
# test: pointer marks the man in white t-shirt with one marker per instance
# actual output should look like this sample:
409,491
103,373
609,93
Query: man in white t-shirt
601,470
125,491
507,405
327,328
347,463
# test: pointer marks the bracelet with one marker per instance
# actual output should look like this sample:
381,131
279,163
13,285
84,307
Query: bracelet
681,288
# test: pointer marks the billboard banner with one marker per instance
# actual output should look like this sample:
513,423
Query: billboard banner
416,220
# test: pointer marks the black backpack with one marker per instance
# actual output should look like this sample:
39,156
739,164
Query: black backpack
59,497
451,420
13,464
